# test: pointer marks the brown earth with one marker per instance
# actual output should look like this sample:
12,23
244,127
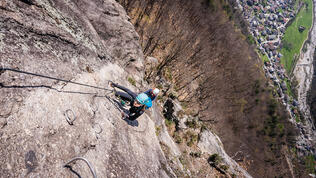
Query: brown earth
218,77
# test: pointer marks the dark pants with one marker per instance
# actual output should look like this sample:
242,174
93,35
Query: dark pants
134,112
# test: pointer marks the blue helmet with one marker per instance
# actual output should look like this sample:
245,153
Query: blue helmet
144,99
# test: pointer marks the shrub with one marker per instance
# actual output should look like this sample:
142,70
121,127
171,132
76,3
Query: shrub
169,122
250,39
159,86
224,167
257,100
196,154
158,130
177,138
215,159
203,127
192,124
131,81
191,138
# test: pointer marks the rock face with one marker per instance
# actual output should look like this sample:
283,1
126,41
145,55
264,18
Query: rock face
212,144
77,41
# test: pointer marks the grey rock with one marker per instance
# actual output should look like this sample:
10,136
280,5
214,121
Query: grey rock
211,144
85,41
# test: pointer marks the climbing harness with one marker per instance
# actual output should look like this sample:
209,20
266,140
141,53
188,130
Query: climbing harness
69,119
86,161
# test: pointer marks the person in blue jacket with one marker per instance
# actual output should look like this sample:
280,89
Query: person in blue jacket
139,103
152,93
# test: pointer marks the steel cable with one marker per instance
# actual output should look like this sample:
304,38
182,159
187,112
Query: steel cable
86,161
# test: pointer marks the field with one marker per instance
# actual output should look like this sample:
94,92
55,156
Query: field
293,39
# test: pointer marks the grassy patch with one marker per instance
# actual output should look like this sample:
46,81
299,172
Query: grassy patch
169,122
264,57
131,81
297,119
158,130
250,39
293,39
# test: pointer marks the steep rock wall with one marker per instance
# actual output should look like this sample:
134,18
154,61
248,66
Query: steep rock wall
77,41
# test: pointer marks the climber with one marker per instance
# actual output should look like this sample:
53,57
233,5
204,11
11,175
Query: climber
152,93
139,103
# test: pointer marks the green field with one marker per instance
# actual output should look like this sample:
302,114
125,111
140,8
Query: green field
293,39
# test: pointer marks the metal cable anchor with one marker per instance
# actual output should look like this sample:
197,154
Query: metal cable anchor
69,120
86,161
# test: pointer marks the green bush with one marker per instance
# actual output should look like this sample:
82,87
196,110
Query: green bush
250,39
224,167
158,130
215,159
192,124
131,81
169,122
